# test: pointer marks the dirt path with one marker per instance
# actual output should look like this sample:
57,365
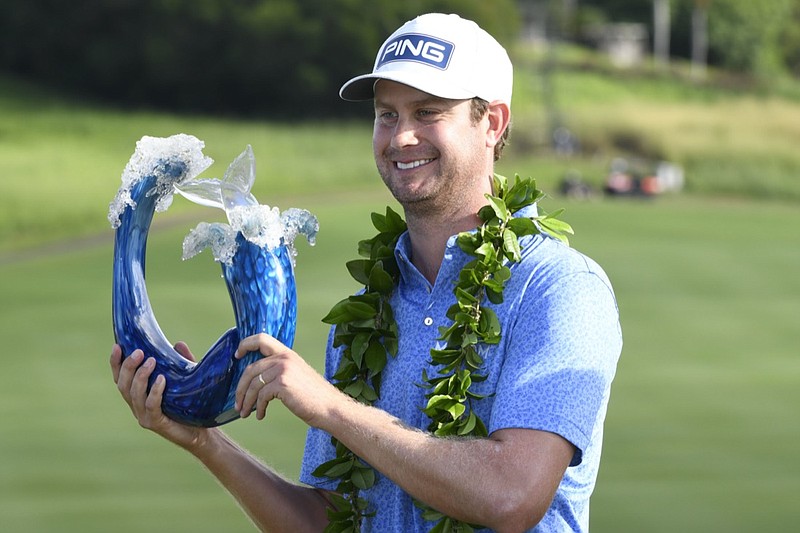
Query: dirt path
87,242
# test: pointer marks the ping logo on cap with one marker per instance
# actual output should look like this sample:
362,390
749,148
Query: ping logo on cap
417,47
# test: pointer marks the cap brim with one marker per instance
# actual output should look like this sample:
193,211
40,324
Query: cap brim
363,87
359,88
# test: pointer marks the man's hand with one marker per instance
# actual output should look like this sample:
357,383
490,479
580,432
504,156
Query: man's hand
131,377
284,375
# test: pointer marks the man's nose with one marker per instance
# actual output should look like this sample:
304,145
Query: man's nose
405,133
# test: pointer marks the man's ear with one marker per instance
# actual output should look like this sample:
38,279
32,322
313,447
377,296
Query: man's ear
499,115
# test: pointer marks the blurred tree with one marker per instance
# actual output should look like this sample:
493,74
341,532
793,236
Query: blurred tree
622,10
789,40
699,38
278,58
661,23
742,35
747,36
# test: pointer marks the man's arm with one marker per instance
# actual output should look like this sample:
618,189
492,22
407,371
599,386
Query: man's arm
272,502
505,482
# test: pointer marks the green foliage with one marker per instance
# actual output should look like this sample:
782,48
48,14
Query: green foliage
744,34
277,58
494,244
789,40
365,327
288,58
366,331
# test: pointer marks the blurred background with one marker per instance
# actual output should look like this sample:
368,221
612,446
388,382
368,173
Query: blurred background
668,129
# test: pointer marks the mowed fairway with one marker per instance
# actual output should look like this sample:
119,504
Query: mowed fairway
702,427
703,422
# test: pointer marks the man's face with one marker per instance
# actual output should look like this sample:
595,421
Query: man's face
428,151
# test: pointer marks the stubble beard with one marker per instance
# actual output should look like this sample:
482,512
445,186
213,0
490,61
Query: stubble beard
425,198
439,196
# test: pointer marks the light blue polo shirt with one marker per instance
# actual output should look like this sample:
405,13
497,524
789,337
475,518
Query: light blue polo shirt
552,370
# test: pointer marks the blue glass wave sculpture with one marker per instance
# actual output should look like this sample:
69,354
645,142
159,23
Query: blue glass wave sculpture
255,252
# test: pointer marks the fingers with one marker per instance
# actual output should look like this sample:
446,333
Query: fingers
262,342
132,376
116,361
253,391
153,402
183,349
281,374
138,389
263,396
126,371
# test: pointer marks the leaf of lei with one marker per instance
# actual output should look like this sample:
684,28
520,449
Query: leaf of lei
365,327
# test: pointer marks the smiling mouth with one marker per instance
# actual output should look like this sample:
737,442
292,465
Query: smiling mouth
412,164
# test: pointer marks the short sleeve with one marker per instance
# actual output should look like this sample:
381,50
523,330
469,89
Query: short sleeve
560,359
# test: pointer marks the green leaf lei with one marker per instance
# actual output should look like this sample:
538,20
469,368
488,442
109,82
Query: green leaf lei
365,327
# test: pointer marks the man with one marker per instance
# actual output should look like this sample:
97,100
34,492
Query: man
442,93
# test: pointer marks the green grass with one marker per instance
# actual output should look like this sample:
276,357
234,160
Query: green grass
61,160
701,429
731,138
73,458
703,419
702,425
61,167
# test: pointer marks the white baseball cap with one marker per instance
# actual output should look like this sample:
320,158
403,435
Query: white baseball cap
443,55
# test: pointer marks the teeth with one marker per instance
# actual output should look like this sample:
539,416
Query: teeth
413,164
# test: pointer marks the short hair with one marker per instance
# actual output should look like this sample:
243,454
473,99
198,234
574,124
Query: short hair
478,108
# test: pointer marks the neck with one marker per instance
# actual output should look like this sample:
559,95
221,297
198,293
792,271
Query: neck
432,221
429,235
